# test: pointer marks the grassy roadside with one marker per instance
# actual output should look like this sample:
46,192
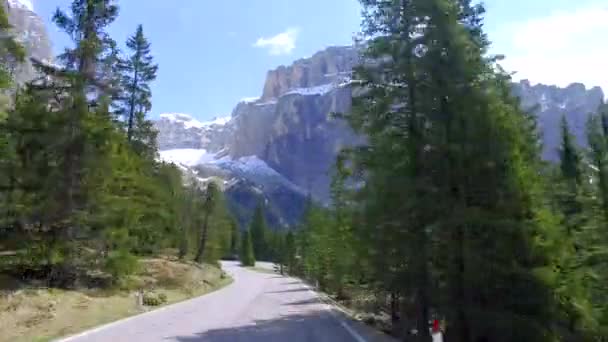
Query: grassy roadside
44,314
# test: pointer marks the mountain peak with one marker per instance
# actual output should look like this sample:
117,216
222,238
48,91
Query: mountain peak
331,65
190,122
23,4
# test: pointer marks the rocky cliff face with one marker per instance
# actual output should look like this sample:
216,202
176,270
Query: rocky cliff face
550,103
180,131
324,67
29,29
290,126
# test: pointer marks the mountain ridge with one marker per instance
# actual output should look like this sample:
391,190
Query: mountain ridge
290,128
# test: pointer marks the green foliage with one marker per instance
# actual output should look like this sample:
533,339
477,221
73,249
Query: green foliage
153,299
137,72
448,184
79,193
11,51
247,255
260,235
121,263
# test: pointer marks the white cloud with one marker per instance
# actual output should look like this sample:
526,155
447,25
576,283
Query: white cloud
560,48
280,44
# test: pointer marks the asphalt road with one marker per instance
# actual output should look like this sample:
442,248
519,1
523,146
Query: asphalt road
256,307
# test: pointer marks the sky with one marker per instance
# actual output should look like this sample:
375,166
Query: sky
212,53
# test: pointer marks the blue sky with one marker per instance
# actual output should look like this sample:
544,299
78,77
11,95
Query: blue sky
214,53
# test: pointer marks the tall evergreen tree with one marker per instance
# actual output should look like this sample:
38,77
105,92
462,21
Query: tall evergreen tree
246,254
11,52
259,234
139,70
81,127
234,237
209,204
442,127
290,252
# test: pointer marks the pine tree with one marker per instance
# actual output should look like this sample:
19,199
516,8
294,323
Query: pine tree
208,206
68,112
451,177
247,255
259,234
138,71
597,156
598,218
11,52
571,181
290,252
234,237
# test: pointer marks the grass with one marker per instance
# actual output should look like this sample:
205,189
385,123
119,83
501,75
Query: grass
44,314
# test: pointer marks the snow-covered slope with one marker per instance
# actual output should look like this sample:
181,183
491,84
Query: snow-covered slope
251,168
187,156
257,171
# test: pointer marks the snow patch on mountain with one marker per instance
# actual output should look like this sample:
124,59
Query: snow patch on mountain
187,156
249,99
190,122
24,4
317,90
249,164
267,103
255,169
323,88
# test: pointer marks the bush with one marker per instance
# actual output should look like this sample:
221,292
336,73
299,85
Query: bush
152,299
120,264
162,297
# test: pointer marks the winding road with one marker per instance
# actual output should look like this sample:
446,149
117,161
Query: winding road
257,307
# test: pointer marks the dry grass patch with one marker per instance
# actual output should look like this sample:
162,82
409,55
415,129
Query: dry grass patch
43,314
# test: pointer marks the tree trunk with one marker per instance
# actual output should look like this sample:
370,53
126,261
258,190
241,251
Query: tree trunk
395,314
132,105
203,242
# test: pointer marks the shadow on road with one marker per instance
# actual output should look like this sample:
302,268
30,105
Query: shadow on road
301,289
312,326
310,301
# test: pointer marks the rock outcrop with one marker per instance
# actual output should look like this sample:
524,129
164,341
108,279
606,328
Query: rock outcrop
291,128
180,131
550,103
29,29
323,67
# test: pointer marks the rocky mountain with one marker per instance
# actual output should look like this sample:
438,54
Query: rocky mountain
290,133
182,131
29,29
550,103
200,150
290,126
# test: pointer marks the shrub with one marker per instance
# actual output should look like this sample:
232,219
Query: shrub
121,263
152,299
162,297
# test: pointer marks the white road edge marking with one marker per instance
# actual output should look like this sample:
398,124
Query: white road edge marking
345,325
111,324
124,320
